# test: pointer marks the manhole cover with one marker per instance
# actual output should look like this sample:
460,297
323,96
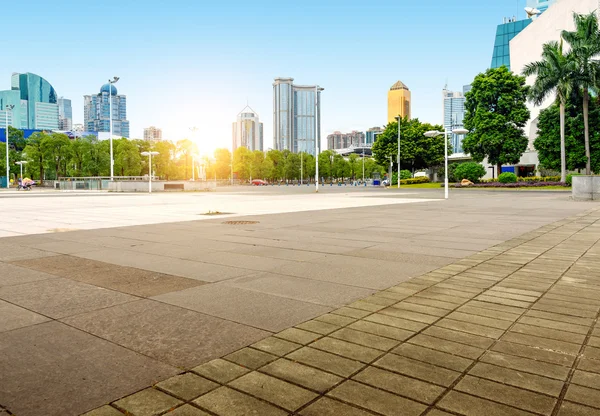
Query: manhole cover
240,222
210,213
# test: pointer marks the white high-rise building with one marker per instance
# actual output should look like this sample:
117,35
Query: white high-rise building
152,134
454,116
248,131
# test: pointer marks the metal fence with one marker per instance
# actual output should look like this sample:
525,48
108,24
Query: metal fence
93,183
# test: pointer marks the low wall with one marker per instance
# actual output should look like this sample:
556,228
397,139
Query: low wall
161,186
586,188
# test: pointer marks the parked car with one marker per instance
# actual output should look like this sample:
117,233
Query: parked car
258,182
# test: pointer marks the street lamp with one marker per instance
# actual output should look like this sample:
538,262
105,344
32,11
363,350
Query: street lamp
149,154
110,125
399,119
9,107
317,136
435,133
21,163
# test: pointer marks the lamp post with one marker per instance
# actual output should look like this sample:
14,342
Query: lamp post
435,133
21,163
398,118
110,125
317,144
149,154
301,170
9,107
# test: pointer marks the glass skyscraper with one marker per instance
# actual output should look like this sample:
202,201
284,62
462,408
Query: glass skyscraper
96,111
34,100
504,34
296,112
65,114
454,116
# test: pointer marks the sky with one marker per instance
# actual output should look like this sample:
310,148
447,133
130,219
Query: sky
197,63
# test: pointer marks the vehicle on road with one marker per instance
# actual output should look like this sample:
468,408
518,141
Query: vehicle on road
258,182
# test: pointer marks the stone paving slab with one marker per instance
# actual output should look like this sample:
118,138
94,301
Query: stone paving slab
461,340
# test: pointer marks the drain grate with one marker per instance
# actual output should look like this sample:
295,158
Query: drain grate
240,222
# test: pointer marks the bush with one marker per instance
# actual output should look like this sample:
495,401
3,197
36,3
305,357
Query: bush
570,178
510,185
412,181
470,170
507,177
405,174
538,179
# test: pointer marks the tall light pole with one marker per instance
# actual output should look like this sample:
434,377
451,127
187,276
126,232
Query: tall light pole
21,163
110,125
399,120
435,133
301,170
9,107
149,154
317,138
193,130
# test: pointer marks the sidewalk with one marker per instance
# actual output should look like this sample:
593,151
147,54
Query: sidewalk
511,330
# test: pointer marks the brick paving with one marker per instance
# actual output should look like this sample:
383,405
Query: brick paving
511,330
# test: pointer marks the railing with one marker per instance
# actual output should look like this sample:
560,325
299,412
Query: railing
92,183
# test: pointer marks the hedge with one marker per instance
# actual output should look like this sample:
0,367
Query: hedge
413,181
510,185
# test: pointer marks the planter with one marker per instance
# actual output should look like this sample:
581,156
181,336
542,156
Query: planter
586,188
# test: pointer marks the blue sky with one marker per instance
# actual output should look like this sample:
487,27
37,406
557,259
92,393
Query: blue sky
187,63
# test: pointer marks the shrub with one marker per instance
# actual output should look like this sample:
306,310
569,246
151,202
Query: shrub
570,178
538,179
470,170
507,177
510,185
412,181
405,174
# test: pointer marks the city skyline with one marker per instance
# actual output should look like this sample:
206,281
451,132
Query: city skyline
208,95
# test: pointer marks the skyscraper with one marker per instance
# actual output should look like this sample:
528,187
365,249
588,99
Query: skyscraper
398,101
296,116
96,112
34,101
65,114
504,34
541,5
454,116
248,131
152,134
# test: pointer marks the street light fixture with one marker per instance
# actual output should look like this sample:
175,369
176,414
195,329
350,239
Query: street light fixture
435,133
399,119
149,154
110,125
9,107
21,163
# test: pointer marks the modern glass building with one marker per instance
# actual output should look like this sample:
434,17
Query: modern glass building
399,101
65,114
247,131
296,112
371,135
34,100
504,34
454,116
541,5
96,109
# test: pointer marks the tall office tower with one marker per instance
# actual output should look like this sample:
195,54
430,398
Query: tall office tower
296,116
371,135
96,112
153,134
398,101
247,131
65,114
454,116
34,101
338,140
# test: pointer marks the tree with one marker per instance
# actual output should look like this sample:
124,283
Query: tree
553,76
585,47
355,165
472,171
416,151
547,143
163,161
242,162
277,157
80,148
128,161
185,150
496,114
222,163
56,148
292,166
35,154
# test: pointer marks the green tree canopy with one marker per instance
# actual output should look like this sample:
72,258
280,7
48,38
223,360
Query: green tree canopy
416,151
496,113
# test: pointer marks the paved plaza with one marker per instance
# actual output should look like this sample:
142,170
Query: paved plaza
356,302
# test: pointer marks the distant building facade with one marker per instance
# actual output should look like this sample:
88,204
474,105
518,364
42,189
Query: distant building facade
247,131
454,116
541,5
152,134
338,140
371,135
504,34
65,114
296,116
96,112
33,101
399,102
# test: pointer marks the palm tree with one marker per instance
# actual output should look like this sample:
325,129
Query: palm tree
553,76
585,47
